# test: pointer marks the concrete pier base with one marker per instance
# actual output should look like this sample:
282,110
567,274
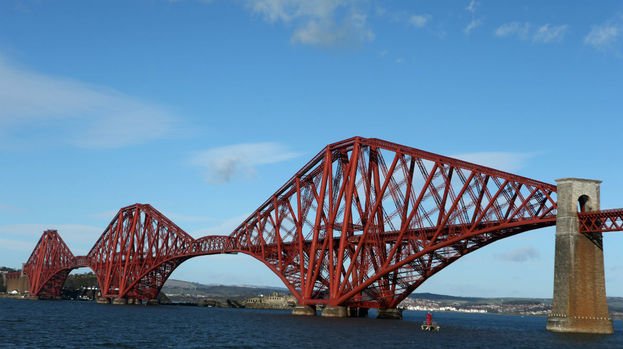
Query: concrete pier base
120,301
152,302
47,297
304,310
389,313
579,303
334,311
579,324
103,300
357,312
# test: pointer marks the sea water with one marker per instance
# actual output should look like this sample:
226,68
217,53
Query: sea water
72,324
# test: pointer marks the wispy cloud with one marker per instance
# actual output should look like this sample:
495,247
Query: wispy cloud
419,21
474,22
548,33
323,23
471,7
504,161
352,31
520,30
81,114
529,32
222,164
519,255
603,36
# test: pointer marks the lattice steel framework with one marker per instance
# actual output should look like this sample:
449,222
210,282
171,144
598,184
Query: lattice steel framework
48,265
137,252
364,223
601,221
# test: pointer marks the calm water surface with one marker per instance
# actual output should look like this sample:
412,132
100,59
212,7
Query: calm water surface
66,324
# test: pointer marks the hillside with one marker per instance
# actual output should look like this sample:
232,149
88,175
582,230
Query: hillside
615,304
179,291
184,291
478,300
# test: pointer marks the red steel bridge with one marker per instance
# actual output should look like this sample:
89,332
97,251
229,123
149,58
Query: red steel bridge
362,224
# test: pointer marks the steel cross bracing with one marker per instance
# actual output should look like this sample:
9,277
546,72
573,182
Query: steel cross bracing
140,248
48,265
367,221
364,223
133,258
601,221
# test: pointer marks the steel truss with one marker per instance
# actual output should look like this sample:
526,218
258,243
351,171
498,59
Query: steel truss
362,224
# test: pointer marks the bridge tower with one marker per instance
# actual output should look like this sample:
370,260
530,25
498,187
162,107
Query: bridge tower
579,303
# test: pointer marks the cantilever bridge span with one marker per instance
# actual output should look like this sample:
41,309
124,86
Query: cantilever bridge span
361,225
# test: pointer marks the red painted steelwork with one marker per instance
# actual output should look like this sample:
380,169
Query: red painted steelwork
48,265
138,251
601,221
367,221
364,223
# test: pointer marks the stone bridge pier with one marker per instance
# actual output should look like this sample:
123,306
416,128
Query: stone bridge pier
579,303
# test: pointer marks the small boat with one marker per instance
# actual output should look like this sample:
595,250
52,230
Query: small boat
430,327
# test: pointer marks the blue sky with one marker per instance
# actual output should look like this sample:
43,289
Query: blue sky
205,108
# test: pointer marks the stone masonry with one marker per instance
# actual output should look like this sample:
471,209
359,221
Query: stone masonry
579,303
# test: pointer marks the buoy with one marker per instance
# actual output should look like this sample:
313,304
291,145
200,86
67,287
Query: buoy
430,327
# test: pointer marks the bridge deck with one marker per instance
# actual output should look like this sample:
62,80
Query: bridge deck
601,221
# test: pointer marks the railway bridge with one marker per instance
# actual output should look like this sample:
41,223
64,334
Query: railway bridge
360,226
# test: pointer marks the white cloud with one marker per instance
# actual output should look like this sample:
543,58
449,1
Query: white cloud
473,24
520,30
519,255
471,7
419,21
527,31
81,114
503,161
603,36
546,33
222,164
325,23
289,10
328,34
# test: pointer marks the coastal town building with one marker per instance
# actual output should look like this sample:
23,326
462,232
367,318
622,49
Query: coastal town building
275,300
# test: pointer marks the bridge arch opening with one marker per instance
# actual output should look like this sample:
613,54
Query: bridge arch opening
501,270
584,203
81,284
226,276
